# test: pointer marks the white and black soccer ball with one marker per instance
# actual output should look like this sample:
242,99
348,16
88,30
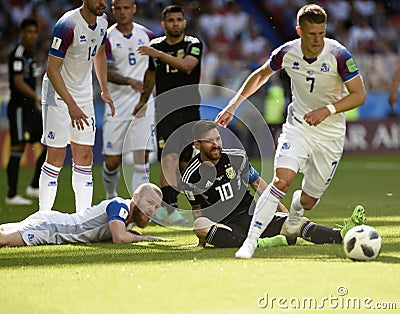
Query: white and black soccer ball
362,243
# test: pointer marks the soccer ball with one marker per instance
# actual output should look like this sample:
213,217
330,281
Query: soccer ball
362,243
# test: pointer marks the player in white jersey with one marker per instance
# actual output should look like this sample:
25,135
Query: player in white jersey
325,84
126,132
67,96
103,222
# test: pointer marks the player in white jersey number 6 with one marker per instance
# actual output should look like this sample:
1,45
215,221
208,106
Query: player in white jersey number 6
312,140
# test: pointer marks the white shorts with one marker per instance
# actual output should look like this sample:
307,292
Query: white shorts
120,137
53,227
317,159
58,131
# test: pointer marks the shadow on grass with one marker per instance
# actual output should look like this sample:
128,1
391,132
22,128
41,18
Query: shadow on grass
108,253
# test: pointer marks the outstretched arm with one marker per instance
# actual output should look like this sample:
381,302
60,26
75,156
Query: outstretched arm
255,80
186,64
121,235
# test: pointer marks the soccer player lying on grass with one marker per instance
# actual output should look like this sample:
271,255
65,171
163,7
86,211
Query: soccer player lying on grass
103,222
216,181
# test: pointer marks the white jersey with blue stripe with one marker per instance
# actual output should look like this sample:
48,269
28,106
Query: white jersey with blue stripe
316,82
77,43
121,50
90,225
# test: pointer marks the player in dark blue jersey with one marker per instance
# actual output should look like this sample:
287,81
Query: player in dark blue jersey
216,182
23,111
174,69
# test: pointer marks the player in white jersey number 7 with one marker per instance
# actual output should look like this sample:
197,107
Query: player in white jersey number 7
312,139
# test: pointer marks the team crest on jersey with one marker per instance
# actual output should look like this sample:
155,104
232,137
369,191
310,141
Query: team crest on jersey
189,195
324,67
296,66
82,38
230,172
118,45
140,42
180,53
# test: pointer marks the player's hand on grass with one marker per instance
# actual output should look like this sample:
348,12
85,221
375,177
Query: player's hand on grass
142,238
135,231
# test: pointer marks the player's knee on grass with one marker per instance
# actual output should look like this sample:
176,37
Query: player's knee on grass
202,226
298,231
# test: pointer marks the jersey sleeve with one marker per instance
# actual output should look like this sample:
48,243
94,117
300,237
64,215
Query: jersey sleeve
108,49
17,64
63,36
276,59
117,210
195,49
346,66
252,174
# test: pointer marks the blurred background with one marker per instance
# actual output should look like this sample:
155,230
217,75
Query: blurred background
238,37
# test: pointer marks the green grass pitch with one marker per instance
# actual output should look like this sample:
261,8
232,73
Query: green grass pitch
166,278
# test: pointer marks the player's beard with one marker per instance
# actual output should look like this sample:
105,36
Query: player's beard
140,219
214,154
96,10
175,34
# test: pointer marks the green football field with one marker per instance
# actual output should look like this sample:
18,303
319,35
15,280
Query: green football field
168,278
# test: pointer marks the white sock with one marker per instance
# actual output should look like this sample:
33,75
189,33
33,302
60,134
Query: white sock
140,175
82,184
110,180
264,211
48,186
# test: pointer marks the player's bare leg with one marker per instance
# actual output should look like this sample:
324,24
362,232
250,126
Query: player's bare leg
11,239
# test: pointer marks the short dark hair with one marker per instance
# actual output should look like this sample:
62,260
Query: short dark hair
311,13
201,127
171,9
28,22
